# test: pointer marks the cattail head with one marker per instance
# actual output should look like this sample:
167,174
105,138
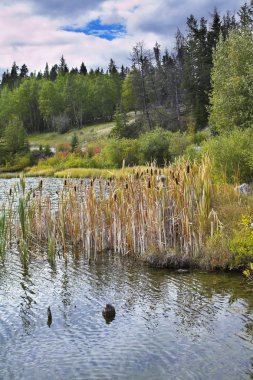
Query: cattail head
149,184
10,191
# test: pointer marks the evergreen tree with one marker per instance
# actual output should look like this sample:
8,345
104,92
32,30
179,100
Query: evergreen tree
63,67
53,73
112,68
46,72
23,72
83,69
246,15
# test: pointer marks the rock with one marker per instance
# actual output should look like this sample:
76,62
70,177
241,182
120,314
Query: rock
183,271
244,188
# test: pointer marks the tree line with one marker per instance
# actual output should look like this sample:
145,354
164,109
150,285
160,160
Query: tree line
169,90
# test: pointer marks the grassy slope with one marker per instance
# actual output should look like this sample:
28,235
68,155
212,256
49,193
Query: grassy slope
85,135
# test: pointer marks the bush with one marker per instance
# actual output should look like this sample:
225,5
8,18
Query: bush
242,245
178,142
232,154
154,146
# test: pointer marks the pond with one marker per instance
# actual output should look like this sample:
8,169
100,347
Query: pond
167,325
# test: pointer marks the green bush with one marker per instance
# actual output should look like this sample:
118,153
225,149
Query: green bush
154,146
232,155
242,245
178,142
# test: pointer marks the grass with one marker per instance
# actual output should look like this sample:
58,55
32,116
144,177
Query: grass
133,213
86,134
48,171
172,216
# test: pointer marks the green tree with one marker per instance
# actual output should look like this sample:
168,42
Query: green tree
74,142
15,138
232,82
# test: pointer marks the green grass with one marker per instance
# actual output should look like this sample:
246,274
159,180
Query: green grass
86,134
81,172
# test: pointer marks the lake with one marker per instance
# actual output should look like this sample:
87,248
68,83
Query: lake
167,325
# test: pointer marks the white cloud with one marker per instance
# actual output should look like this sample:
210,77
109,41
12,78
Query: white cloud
31,30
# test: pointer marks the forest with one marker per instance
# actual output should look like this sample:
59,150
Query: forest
202,88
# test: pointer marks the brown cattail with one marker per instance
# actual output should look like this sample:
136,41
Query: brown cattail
149,184
75,188
188,168
10,192
115,197
126,185
65,182
91,183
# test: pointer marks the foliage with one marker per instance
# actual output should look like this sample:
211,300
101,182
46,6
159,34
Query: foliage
241,246
232,82
74,142
232,155
154,146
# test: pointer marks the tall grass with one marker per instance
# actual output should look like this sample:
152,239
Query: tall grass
3,234
148,211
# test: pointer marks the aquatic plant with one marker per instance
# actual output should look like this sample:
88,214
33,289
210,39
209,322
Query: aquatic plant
142,211
3,236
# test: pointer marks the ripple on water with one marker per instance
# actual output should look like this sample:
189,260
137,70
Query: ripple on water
167,326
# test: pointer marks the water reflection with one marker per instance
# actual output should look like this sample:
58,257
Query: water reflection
164,321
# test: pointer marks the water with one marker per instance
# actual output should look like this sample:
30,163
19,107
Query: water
167,325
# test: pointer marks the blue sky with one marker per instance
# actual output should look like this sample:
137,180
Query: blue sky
98,29
35,32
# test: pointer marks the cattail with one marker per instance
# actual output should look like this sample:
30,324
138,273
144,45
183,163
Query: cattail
149,184
65,182
10,192
126,185
115,197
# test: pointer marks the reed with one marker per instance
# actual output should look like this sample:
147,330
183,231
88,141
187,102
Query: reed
3,234
147,211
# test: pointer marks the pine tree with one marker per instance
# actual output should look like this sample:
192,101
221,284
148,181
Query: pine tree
63,67
83,69
53,72
46,72
23,72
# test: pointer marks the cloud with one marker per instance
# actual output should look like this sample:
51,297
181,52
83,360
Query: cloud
35,32
62,8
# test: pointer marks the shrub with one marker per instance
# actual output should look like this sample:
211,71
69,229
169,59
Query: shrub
242,245
154,146
178,142
232,155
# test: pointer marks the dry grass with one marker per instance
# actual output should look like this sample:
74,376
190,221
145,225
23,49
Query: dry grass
167,213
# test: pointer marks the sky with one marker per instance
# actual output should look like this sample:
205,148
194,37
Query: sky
93,31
